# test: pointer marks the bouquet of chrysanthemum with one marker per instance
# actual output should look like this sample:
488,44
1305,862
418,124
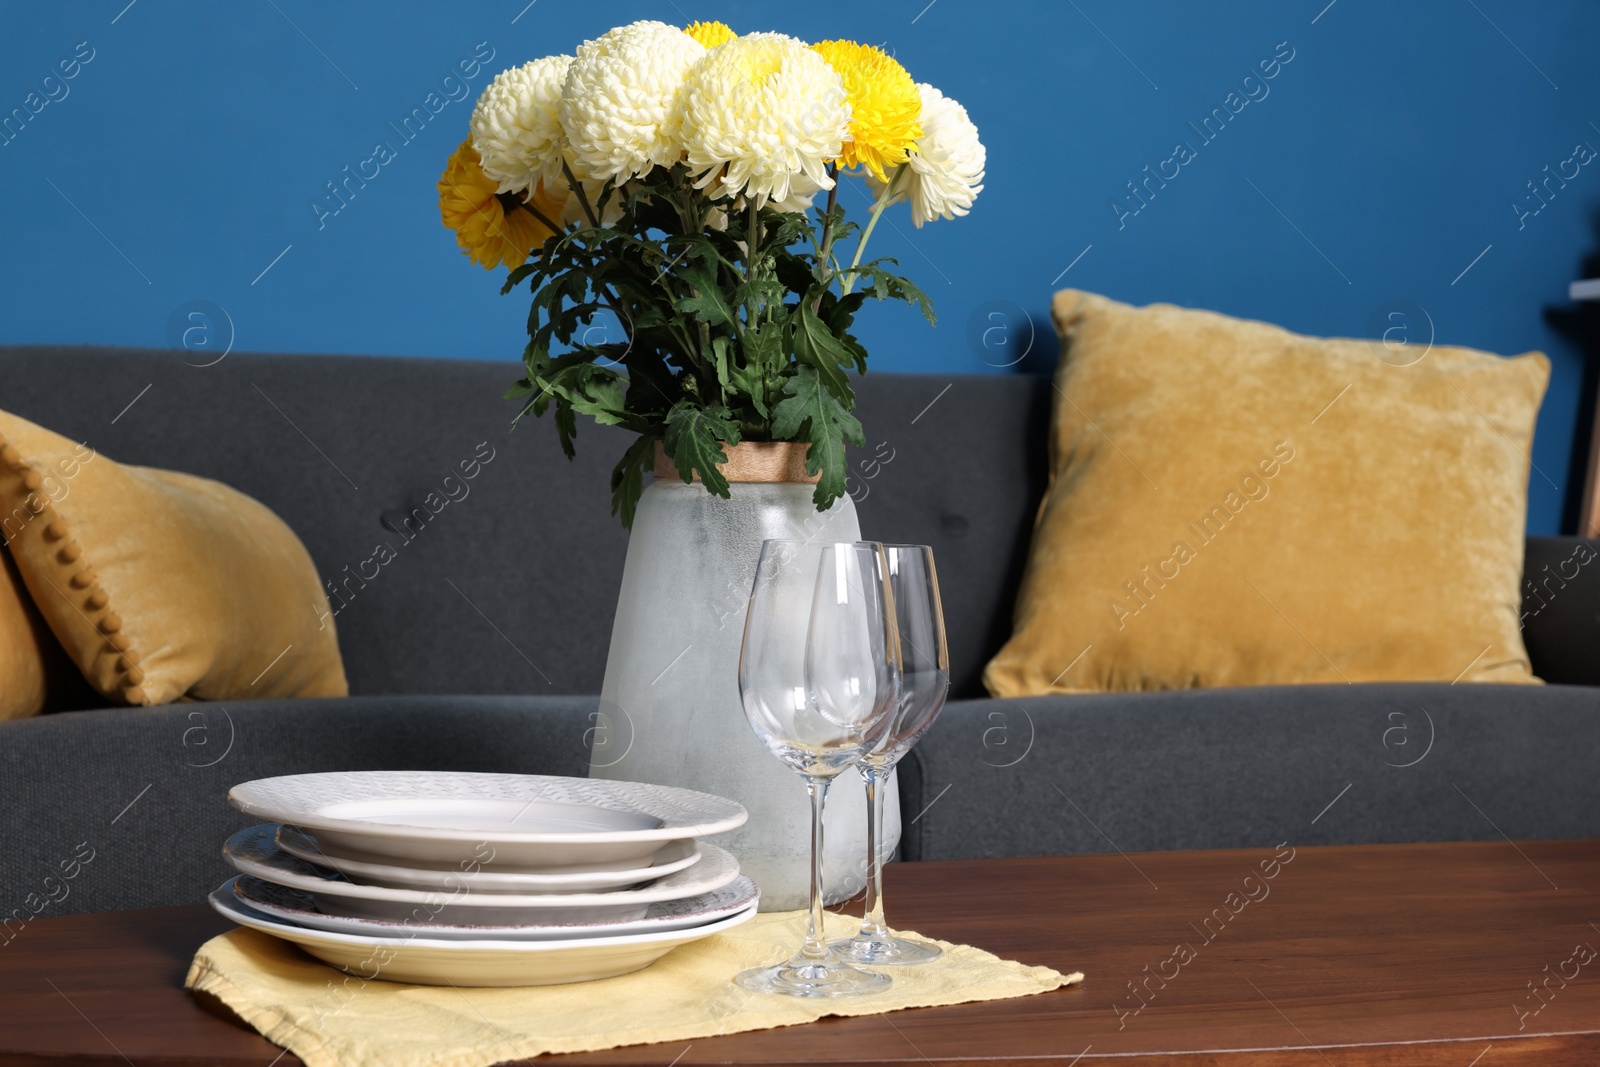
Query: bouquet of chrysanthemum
668,176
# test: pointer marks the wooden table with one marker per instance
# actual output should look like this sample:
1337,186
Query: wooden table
1400,954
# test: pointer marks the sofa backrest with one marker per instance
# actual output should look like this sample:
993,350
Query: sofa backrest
507,582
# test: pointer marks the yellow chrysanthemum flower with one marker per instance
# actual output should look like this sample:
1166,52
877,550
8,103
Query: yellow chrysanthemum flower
486,231
710,34
884,106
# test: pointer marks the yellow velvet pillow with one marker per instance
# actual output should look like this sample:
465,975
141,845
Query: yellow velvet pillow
24,642
163,586
1232,504
36,674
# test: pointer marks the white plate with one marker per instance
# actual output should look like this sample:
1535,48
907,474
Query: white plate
532,822
295,906
484,878
254,851
430,961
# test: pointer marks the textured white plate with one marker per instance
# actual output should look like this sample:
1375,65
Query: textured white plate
255,852
531,822
429,961
484,878
295,906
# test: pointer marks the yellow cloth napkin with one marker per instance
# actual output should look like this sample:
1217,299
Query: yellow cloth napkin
328,1018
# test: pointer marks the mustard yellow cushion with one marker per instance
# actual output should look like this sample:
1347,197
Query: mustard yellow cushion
24,647
35,674
1232,504
163,586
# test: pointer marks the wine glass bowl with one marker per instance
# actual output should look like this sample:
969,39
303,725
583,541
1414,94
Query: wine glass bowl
923,660
922,681
814,677
847,653
818,676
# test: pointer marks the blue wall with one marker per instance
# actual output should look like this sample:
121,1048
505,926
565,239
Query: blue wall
182,161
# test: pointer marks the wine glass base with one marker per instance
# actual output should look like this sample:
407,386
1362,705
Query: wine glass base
810,978
885,951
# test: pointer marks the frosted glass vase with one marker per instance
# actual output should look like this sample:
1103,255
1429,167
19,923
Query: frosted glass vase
670,710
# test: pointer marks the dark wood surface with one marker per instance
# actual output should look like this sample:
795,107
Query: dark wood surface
1399,954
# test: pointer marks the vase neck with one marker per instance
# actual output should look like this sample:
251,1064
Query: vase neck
751,461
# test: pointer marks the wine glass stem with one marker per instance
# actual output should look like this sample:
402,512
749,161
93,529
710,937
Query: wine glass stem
816,946
872,922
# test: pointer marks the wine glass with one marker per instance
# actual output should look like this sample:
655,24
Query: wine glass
817,676
924,679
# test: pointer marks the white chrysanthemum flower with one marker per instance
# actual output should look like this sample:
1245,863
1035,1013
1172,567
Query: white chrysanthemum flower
802,194
761,114
945,170
516,125
617,105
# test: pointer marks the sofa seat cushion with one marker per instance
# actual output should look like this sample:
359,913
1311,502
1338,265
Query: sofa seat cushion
1253,767
142,792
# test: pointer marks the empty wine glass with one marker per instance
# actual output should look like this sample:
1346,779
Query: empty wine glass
817,676
924,679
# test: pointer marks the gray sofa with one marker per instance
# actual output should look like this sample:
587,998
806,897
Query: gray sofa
482,644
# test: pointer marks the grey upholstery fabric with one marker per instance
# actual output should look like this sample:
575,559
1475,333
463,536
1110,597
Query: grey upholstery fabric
511,588
508,589
1235,768
146,789
965,472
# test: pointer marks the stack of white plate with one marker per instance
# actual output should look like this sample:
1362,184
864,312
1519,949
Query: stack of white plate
448,878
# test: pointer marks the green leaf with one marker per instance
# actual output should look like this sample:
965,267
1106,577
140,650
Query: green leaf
627,478
693,441
840,312
598,394
718,344
817,347
887,285
707,303
651,390
566,426
719,360
793,272
711,248
810,412
763,345
516,276
761,369
791,227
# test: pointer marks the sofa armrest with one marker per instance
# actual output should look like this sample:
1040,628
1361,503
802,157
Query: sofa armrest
1561,609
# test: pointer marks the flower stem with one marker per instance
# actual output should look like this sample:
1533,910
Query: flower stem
827,216
544,220
684,201
824,250
604,293
752,235
872,222
583,198
752,247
